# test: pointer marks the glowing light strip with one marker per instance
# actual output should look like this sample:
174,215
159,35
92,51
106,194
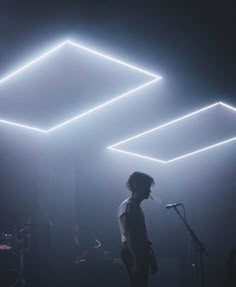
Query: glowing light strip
156,77
137,155
203,149
228,106
23,126
112,147
83,48
102,105
112,59
83,114
165,125
32,63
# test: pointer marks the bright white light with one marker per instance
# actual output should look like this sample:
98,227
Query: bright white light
165,125
102,105
112,59
228,106
23,126
137,155
113,147
32,63
203,149
7,77
89,50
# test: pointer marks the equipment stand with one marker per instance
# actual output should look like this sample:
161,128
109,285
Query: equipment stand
200,248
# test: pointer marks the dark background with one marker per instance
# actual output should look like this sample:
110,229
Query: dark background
70,177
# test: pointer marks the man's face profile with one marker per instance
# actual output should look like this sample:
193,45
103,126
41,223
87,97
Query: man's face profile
144,190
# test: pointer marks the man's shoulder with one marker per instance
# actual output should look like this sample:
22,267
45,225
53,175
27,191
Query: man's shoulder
126,207
126,203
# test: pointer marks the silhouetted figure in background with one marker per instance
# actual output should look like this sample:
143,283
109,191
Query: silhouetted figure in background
136,251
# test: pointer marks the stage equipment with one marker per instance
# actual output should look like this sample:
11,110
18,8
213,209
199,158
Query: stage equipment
170,205
13,247
197,243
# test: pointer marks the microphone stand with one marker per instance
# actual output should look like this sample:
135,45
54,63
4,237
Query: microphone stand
200,248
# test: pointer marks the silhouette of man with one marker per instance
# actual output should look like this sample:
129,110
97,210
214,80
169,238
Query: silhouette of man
135,244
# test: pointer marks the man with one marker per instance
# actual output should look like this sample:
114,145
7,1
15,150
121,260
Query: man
136,251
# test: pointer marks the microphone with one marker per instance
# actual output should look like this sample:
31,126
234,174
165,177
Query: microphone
170,205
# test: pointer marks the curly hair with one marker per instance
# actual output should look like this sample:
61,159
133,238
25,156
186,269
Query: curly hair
139,178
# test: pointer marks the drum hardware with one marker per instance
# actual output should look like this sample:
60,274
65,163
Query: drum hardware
17,243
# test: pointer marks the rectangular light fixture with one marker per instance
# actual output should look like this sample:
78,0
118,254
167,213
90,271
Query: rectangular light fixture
153,78
115,147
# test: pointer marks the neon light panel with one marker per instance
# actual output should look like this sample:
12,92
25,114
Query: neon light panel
115,147
154,78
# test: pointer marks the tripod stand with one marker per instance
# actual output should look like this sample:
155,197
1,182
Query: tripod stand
20,279
22,245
